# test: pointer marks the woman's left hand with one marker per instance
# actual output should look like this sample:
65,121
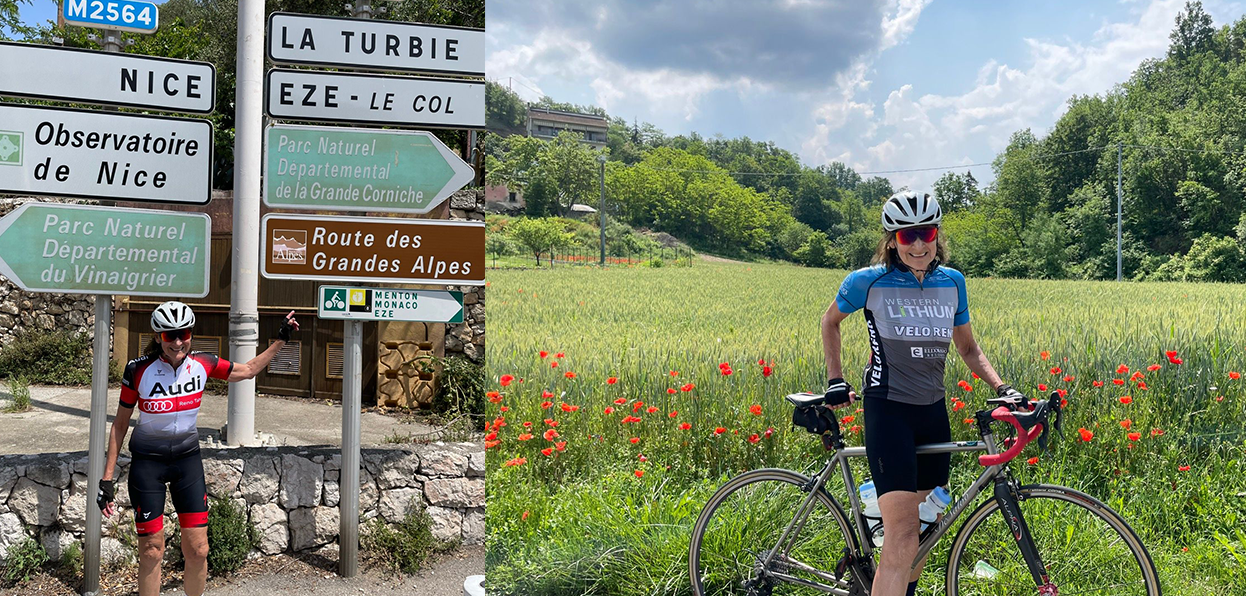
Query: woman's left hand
288,326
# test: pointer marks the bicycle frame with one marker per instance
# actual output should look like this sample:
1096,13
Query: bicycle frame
996,473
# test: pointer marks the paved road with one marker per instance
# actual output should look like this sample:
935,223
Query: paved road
60,421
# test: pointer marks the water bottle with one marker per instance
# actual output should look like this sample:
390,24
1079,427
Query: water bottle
934,504
869,508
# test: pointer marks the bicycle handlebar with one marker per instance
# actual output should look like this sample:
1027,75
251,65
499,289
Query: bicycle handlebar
1023,438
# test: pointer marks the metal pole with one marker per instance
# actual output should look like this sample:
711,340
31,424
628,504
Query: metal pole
348,485
602,207
244,317
1119,202
97,438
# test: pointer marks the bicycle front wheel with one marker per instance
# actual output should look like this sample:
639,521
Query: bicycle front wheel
1087,548
735,543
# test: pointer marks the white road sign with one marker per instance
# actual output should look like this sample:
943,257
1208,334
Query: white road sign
128,80
390,304
374,99
104,155
305,39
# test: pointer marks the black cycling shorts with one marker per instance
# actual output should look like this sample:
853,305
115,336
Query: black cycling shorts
184,475
893,430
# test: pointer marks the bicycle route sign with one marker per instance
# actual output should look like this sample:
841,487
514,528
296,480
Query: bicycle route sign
303,39
328,248
104,155
123,15
85,249
390,304
345,169
111,79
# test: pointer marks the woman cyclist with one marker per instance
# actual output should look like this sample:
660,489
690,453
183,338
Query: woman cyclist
166,384
913,309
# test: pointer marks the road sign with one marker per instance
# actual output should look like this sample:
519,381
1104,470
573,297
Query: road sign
104,155
315,96
390,304
306,39
123,15
126,80
420,251
83,249
350,169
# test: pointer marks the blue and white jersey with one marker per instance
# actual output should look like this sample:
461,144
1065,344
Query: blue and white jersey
910,328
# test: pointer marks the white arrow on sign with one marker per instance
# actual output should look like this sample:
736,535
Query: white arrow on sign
317,40
111,79
374,99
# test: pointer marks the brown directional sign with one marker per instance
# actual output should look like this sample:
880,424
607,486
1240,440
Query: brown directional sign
421,251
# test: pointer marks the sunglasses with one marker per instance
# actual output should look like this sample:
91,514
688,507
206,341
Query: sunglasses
171,336
926,234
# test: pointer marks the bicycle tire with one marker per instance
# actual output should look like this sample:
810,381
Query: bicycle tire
778,492
1065,549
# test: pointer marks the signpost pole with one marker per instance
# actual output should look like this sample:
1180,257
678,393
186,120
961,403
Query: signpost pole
244,315
352,381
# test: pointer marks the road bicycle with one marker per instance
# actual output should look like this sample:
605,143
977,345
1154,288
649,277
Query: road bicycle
771,531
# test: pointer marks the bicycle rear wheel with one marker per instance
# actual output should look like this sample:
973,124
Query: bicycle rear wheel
1088,549
741,525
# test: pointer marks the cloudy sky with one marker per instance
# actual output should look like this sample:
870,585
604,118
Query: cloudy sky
878,84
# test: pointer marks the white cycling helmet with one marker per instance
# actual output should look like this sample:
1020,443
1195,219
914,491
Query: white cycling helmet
172,316
907,209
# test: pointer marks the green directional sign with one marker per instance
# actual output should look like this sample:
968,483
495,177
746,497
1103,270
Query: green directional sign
389,304
81,249
356,169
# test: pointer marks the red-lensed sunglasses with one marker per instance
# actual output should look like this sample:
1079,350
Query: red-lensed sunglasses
171,336
926,234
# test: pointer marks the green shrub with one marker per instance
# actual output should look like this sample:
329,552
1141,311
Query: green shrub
22,561
462,390
230,535
71,558
20,391
58,357
403,547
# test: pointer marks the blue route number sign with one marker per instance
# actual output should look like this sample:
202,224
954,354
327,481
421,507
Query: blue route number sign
124,15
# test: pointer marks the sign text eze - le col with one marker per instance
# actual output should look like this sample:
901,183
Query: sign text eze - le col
343,97
375,45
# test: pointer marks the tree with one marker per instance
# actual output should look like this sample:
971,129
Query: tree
814,189
539,235
955,192
844,176
1193,32
10,19
504,110
566,164
874,191
1018,185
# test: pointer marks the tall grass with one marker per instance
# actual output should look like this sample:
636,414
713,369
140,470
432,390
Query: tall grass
582,519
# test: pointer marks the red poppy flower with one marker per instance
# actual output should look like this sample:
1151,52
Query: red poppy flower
1175,360
974,375
621,400
492,444
627,419
1055,370
569,375
1183,468
527,425
1085,434
1219,398
1155,432
1153,367
1122,369
848,419
544,354
499,422
1118,381
1137,375
560,446
1063,403
1126,423
634,440
518,461
494,396
642,457
755,409
492,436
1068,379
545,405
723,365
1171,353
1125,399
968,421
958,405
673,413
553,364
670,390
651,409
1062,392
1044,354
566,407
769,431
609,409
559,355
1235,375
1142,386
854,429
550,435
719,430
685,426
639,473
766,371
761,362
1097,384
1042,387
637,406
550,422
968,388
548,451
687,387
1134,436
524,436
754,438
612,380
1032,460
505,380
726,371
674,373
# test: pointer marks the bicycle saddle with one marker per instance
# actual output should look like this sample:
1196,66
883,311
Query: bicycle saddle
801,400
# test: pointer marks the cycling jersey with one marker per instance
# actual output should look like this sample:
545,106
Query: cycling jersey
168,401
910,328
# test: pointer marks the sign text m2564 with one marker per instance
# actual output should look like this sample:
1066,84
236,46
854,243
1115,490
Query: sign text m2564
125,15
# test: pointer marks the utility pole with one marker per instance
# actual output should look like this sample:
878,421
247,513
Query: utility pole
1119,202
244,316
601,206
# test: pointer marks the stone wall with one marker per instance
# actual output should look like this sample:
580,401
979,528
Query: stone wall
468,338
20,311
290,494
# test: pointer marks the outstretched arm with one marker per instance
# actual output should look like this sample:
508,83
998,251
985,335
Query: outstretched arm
251,368
971,353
